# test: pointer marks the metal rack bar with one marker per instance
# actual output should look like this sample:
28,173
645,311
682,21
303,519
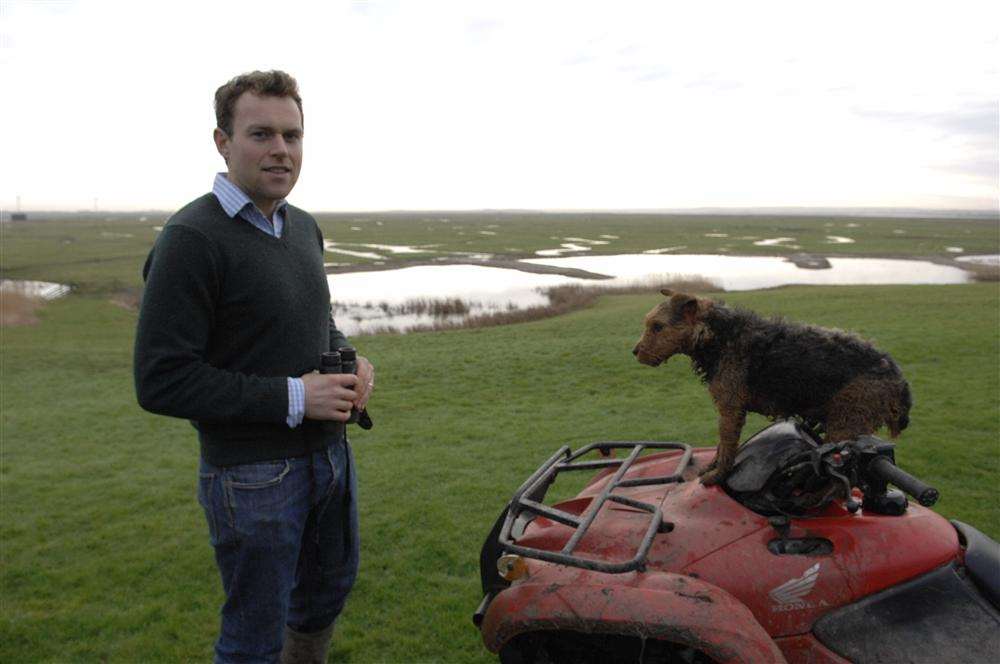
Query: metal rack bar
529,497
590,465
560,516
596,506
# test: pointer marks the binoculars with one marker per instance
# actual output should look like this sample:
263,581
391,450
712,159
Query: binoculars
345,360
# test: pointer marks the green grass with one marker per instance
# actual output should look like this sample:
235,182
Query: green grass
104,254
522,233
105,554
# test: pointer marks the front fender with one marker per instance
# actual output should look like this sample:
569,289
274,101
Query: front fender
656,605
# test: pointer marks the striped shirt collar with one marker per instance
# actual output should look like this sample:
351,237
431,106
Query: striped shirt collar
235,202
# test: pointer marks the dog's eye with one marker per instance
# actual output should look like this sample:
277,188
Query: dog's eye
656,327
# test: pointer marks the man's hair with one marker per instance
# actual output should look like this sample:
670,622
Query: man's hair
274,83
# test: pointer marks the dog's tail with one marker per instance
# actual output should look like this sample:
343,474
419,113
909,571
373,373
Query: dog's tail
900,411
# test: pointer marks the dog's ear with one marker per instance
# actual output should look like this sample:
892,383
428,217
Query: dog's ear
689,309
685,307
666,292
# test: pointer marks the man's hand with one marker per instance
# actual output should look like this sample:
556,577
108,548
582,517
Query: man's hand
330,396
366,382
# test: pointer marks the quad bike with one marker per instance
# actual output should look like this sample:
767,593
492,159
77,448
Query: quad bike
803,554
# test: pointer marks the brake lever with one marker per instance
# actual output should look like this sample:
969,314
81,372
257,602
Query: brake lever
833,464
851,504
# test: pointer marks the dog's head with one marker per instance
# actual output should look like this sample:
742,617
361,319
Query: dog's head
672,327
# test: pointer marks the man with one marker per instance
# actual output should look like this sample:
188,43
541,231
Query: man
235,316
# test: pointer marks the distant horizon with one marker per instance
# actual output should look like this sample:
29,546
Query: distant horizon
792,210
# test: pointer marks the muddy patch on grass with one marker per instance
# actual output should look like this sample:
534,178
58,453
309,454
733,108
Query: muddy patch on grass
18,309
809,261
127,298
21,300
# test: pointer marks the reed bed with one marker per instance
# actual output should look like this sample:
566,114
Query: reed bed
983,272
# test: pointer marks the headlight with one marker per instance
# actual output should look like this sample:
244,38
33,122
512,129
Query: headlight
511,567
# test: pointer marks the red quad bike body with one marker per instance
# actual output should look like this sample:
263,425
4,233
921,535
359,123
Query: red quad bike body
782,564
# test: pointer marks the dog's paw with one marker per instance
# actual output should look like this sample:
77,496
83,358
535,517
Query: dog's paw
715,472
711,476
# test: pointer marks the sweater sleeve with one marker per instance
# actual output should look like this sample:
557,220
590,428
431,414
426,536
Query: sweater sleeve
172,377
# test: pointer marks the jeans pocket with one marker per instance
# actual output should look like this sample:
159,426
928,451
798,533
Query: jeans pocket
255,492
257,475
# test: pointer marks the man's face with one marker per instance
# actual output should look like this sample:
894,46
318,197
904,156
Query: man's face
264,153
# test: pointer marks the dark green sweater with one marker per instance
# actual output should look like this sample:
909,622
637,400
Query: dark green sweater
228,314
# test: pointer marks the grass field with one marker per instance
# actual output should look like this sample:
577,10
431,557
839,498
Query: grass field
105,553
102,254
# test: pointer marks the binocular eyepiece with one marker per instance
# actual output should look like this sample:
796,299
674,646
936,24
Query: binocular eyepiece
345,360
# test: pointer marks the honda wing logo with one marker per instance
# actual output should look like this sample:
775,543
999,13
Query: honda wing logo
789,595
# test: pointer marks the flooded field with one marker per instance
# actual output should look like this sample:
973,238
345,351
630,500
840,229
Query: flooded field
395,269
42,290
990,259
104,252
425,296
366,301
753,272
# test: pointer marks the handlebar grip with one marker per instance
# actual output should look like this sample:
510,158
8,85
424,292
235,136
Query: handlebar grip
887,470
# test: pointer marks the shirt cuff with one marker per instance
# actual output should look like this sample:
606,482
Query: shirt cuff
296,402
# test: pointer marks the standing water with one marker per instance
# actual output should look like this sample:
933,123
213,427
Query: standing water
403,298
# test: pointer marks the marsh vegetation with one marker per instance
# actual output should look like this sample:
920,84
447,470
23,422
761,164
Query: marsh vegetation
105,550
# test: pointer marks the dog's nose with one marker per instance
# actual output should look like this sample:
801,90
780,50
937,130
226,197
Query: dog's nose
635,351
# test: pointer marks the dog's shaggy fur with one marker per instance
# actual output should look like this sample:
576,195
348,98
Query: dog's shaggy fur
831,379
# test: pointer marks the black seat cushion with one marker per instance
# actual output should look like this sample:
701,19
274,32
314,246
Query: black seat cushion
982,559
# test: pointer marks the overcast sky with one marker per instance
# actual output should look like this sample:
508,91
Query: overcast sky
458,105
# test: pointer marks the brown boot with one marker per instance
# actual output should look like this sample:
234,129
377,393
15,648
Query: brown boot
302,648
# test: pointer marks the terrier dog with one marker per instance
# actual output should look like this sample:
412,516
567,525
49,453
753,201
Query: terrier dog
831,379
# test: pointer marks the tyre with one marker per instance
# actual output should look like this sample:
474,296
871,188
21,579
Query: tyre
578,648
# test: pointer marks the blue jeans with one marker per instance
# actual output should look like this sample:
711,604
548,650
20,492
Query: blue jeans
285,535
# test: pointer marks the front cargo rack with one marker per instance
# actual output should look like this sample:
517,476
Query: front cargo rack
528,501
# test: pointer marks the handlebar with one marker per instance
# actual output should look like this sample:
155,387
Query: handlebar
924,494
